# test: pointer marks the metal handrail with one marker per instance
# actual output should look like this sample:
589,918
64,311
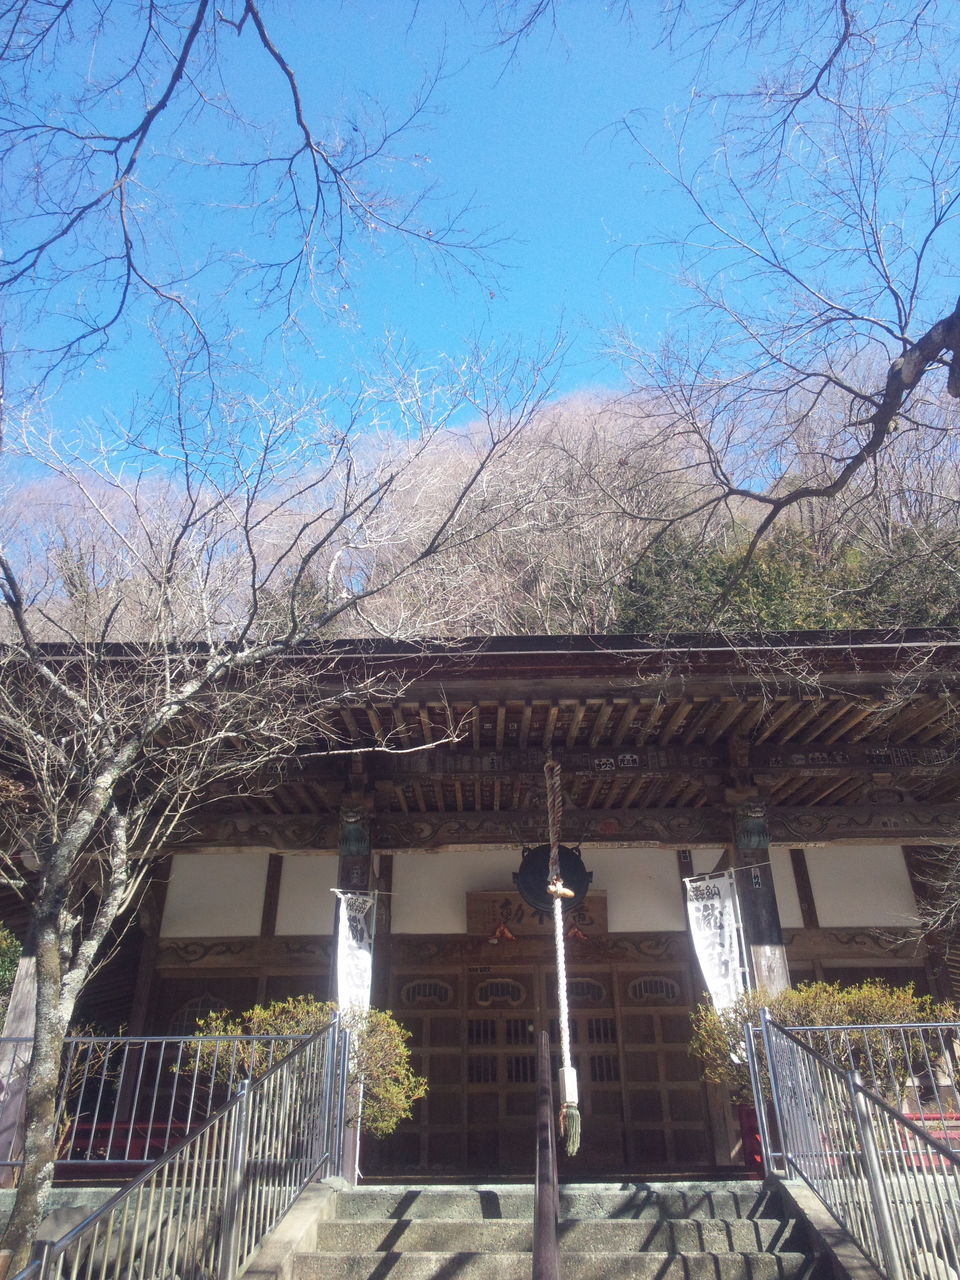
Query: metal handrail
546,1192
889,1183
206,1205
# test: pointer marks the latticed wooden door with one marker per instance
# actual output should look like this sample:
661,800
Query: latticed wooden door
474,1031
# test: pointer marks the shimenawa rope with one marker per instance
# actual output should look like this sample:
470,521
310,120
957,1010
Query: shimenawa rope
569,1096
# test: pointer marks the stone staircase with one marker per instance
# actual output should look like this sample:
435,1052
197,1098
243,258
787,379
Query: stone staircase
633,1231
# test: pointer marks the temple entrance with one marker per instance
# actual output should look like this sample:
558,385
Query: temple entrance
474,1028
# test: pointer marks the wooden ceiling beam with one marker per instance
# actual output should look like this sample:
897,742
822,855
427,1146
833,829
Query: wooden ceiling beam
732,709
853,717
576,719
824,722
624,723
401,726
426,726
679,714
645,732
501,724
525,724
550,725
768,727
600,723
813,707
377,726
696,724
350,722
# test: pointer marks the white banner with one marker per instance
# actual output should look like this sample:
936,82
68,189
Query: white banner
713,910
355,950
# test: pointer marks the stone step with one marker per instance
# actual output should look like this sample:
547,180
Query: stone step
66,1206
594,1235
585,1266
587,1200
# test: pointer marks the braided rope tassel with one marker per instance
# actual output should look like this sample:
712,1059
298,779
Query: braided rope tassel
569,1096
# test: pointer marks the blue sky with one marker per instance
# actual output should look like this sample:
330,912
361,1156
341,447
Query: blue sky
534,143
531,139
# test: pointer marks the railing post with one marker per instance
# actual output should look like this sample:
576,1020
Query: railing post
756,1083
347,1147
775,1093
876,1183
228,1261
343,1067
325,1143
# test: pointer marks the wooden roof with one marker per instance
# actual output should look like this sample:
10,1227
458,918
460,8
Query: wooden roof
854,721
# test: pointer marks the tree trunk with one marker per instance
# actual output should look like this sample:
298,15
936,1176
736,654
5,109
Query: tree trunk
43,1076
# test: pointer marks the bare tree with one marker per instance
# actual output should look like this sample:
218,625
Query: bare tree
167,598
558,524
818,160
170,167
820,248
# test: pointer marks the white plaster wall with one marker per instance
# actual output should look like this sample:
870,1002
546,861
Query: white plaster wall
861,885
703,861
644,893
215,895
642,885
306,903
785,884
429,889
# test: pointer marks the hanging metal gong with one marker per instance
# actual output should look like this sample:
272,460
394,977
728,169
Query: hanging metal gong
531,879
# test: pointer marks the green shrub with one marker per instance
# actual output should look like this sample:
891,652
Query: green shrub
379,1057
718,1036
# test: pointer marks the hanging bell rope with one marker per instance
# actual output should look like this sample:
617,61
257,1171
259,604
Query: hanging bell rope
569,1096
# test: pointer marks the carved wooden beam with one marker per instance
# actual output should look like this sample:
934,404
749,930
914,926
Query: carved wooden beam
293,955
649,761
669,828
859,757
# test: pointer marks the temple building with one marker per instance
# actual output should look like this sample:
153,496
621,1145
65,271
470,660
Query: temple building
822,765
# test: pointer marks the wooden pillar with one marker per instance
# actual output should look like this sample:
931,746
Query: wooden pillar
381,939
20,1022
355,870
268,914
150,919
763,936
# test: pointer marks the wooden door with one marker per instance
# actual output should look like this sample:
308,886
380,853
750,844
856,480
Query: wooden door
474,1030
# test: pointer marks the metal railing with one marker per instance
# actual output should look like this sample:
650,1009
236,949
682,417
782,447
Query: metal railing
127,1099
893,1186
913,1066
14,1060
14,1056
202,1210
546,1192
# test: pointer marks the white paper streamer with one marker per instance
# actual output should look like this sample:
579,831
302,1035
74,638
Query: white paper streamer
355,950
713,910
